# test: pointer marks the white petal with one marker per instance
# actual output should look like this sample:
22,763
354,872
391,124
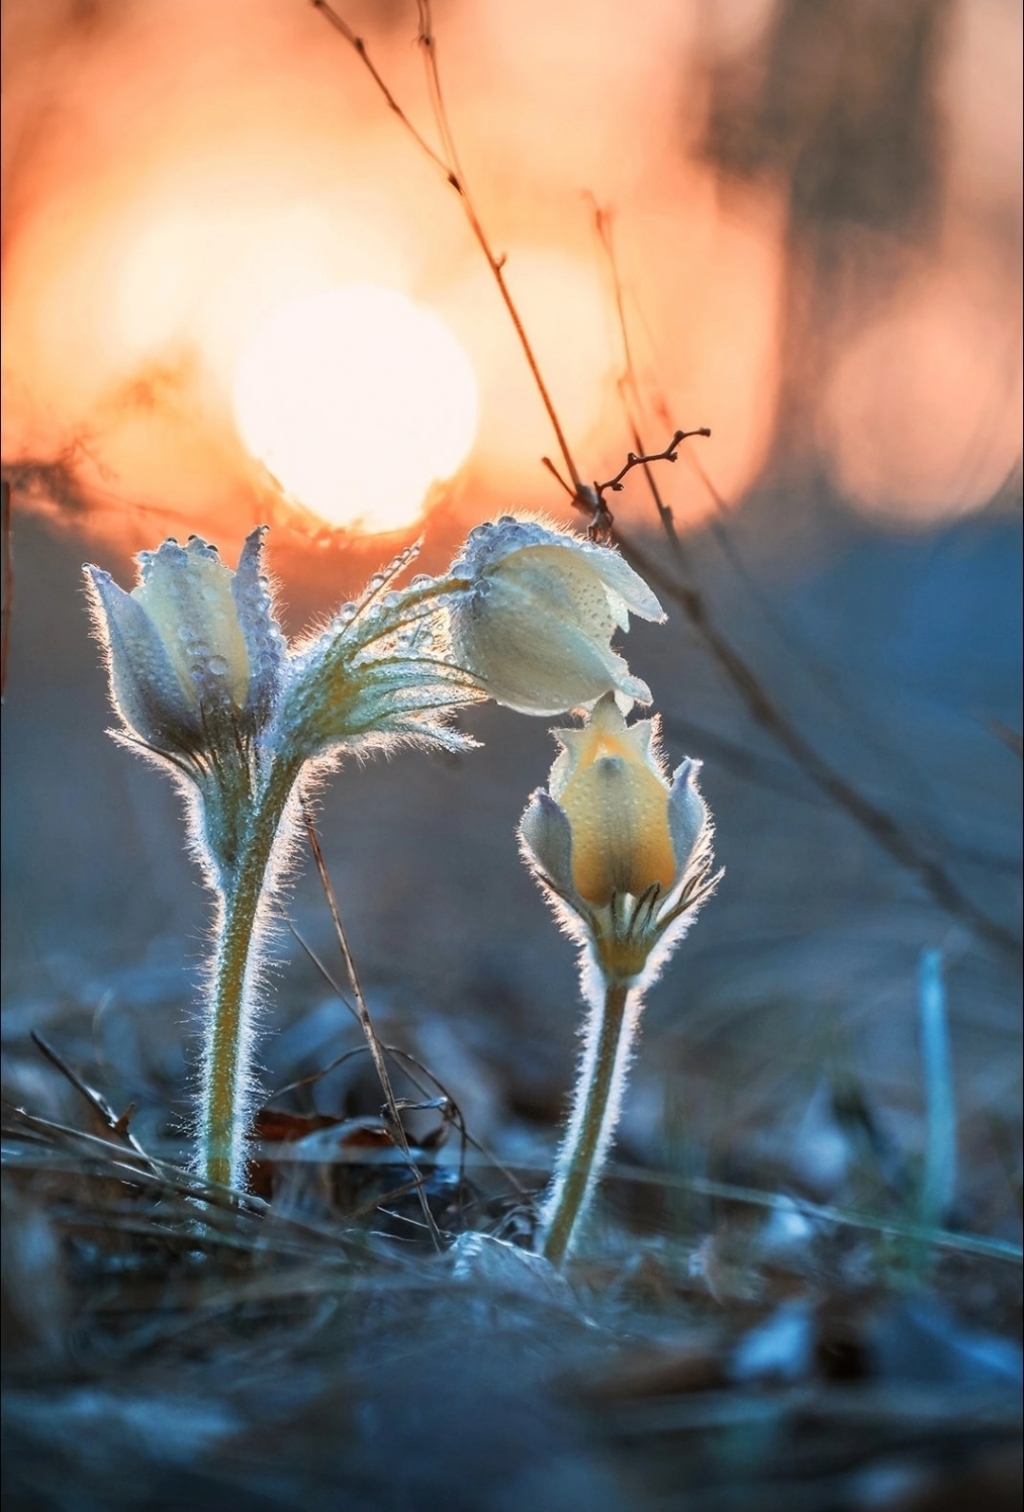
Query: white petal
265,644
626,584
529,659
546,835
687,813
186,591
146,688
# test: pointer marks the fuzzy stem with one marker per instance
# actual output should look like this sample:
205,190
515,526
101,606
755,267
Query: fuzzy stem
227,1049
595,1114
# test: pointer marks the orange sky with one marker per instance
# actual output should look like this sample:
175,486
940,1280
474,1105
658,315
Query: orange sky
174,172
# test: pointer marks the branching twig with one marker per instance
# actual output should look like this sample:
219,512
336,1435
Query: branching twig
670,454
374,1045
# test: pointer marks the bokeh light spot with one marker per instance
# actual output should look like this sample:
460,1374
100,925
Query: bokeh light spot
357,400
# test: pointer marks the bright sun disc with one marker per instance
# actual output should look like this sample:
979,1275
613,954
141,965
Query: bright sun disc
357,400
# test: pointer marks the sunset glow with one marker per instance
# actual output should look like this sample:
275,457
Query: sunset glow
357,401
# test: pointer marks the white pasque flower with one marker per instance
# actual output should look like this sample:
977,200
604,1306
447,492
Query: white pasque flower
191,646
622,847
535,625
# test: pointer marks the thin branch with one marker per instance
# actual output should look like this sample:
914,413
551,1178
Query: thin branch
366,1024
356,42
882,828
670,454
450,167
496,264
7,608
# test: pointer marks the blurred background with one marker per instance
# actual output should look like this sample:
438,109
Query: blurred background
223,261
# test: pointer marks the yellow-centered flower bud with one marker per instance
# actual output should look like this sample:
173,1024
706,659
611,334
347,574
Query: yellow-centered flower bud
617,803
624,853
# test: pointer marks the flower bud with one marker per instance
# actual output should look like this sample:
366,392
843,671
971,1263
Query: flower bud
615,797
535,626
624,854
192,643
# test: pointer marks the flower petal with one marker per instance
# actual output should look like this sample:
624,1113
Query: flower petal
536,623
624,583
145,686
264,641
528,658
186,591
547,840
616,800
688,814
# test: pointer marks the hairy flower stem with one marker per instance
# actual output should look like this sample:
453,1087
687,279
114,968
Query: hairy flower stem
595,1114
228,1030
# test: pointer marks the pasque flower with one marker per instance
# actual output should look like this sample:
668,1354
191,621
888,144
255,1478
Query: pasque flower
536,621
192,646
624,853
204,682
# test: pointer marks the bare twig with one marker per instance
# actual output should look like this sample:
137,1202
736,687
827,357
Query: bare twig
451,168
882,828
670,454
880,825
366,1024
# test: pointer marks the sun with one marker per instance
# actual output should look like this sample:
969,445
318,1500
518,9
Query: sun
357,400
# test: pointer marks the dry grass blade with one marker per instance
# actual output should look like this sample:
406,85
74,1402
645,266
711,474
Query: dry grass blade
408,1060
969,1244
117,1124
374,1045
